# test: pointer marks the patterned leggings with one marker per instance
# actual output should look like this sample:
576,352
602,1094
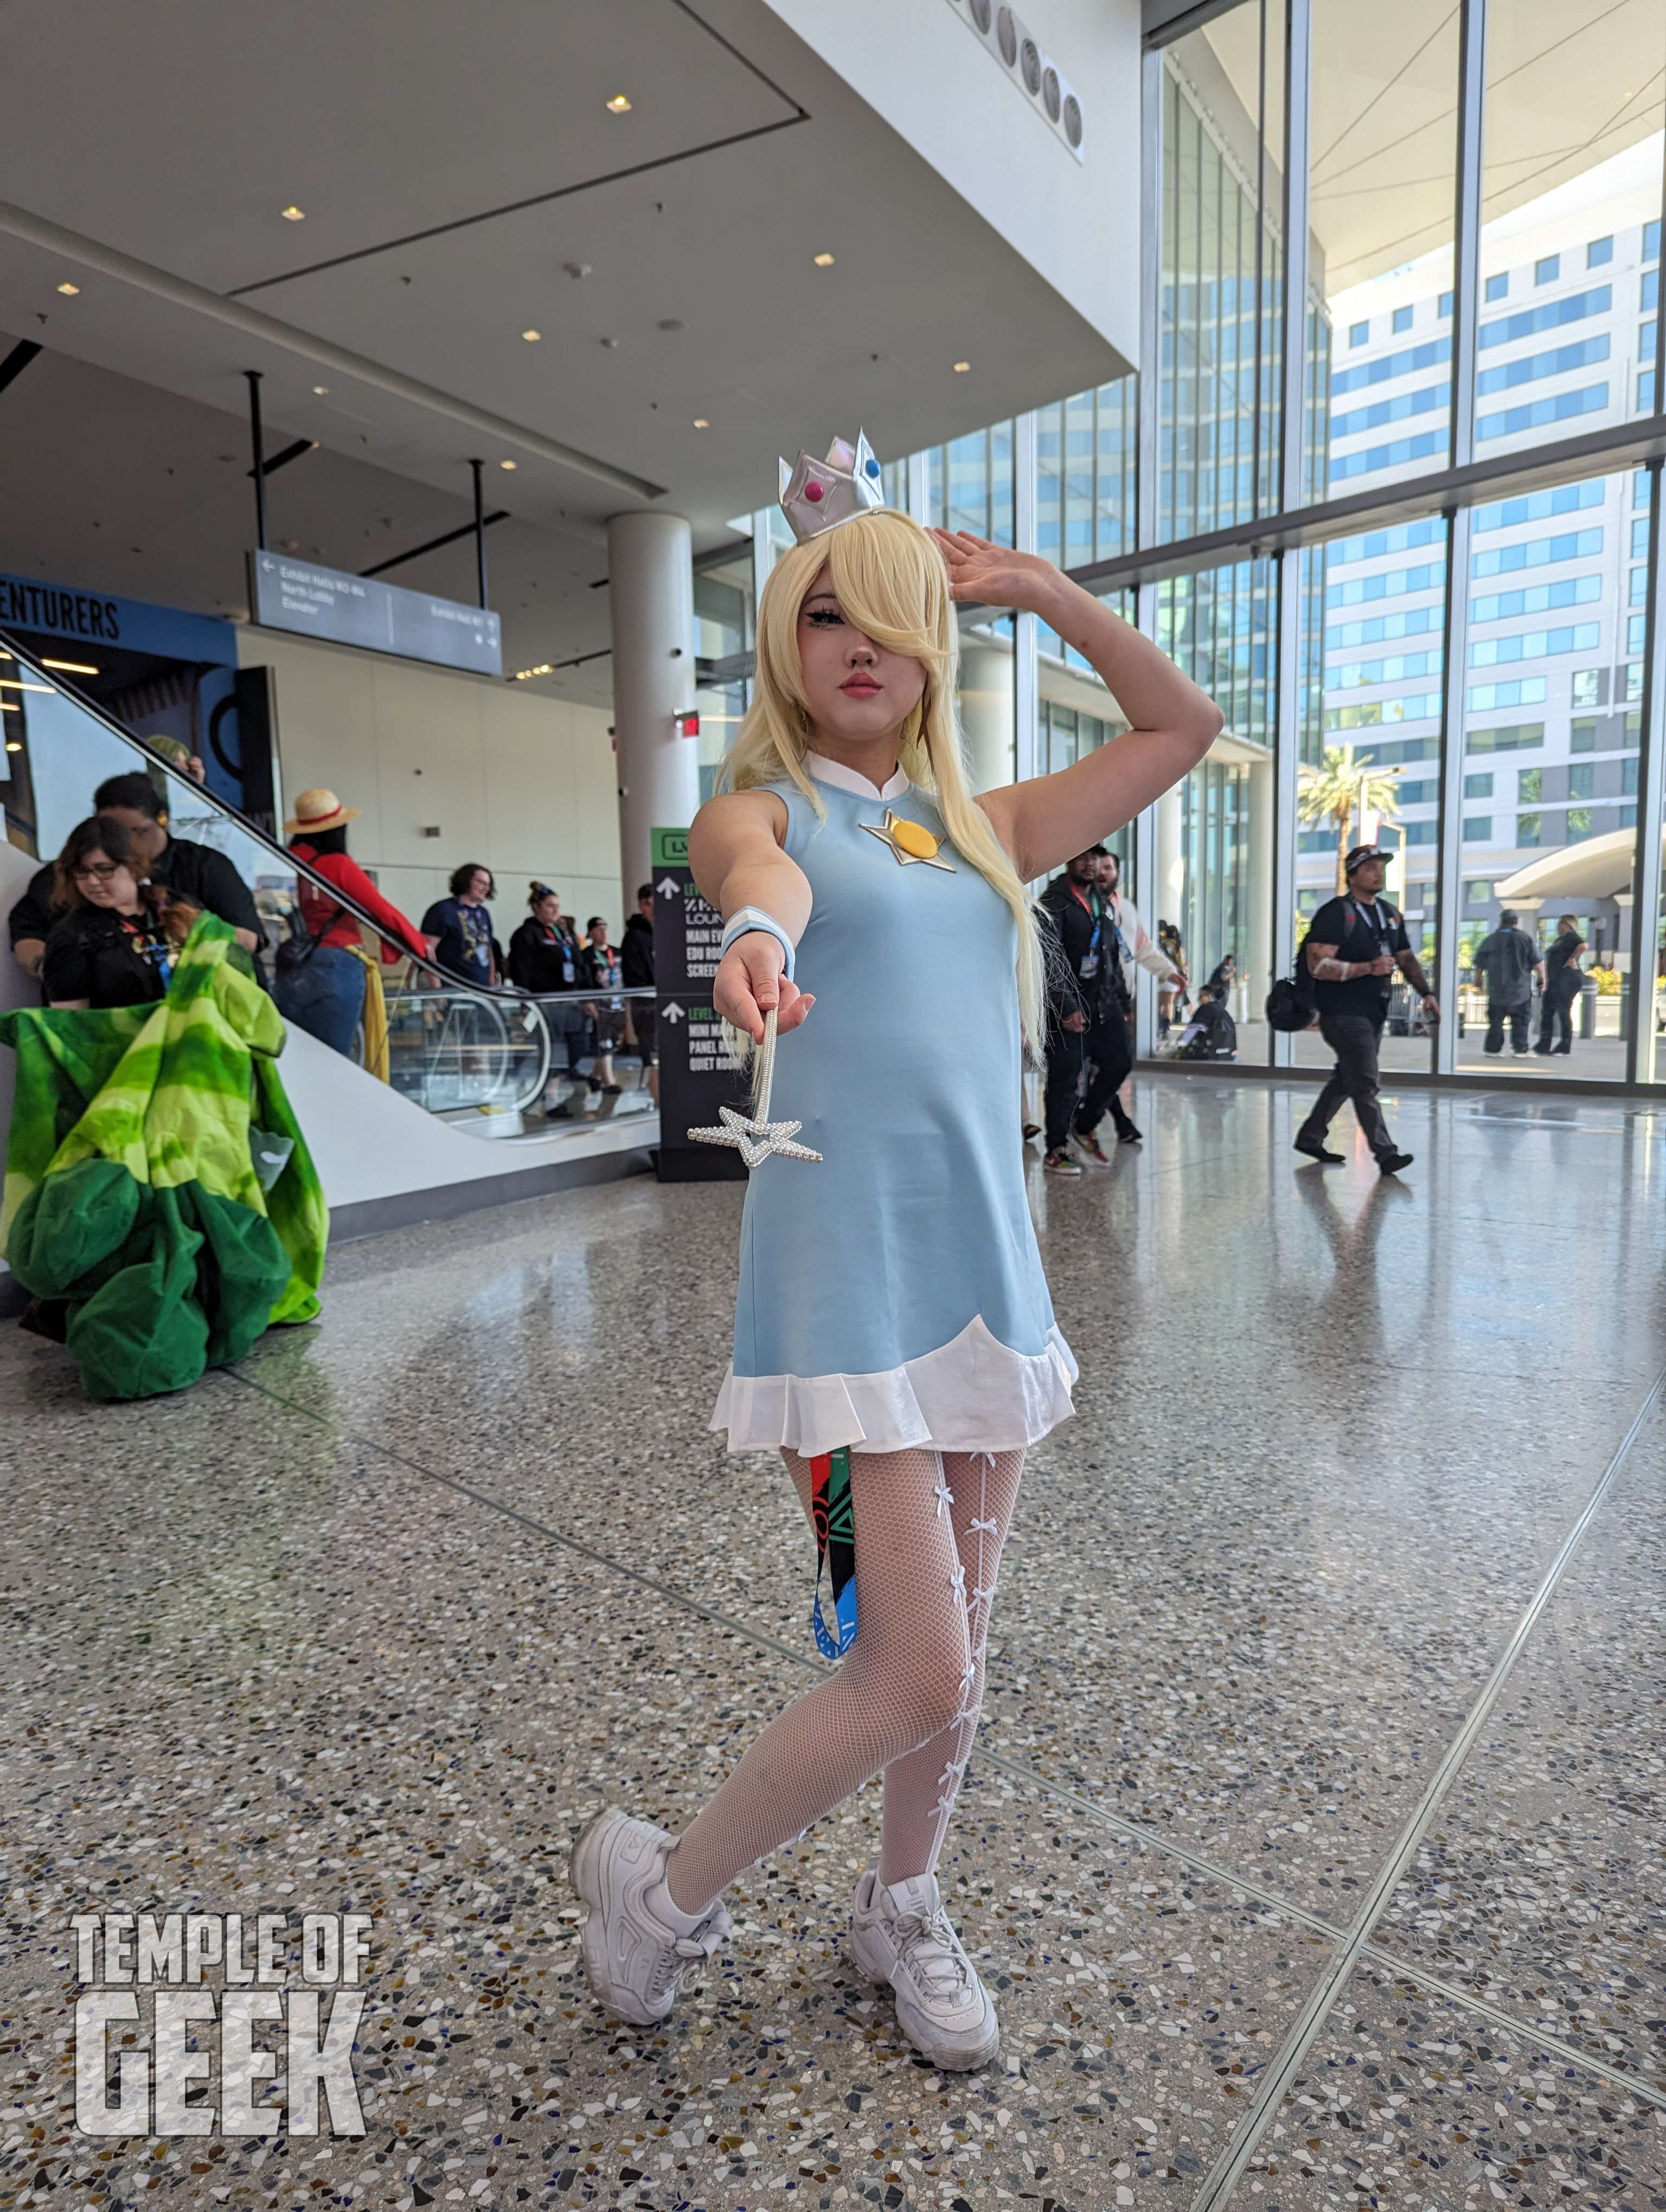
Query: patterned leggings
929,1530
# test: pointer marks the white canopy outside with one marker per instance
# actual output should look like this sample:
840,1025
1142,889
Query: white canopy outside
1600,867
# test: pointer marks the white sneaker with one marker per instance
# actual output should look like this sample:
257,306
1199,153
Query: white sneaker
902,1935
639,1949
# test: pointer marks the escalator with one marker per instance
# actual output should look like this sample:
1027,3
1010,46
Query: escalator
462,1063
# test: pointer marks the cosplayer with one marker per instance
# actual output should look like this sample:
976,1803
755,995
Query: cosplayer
893,1335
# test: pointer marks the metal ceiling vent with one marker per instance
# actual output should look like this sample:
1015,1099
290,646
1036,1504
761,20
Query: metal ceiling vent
1020,53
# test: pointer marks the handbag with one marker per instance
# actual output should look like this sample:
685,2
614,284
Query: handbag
295,949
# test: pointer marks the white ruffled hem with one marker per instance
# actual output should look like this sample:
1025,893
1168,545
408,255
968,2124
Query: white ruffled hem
973,1393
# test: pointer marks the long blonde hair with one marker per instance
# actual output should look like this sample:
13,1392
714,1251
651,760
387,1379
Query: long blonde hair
893,586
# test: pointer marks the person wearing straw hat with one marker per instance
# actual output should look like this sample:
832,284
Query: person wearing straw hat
320,986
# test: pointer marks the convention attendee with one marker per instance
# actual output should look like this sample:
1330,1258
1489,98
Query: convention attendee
1508,962
1224,974
461,927
1563,983
1136,950
1088,1054
1172,990
1351,949
599,970
116,938
1211,1034
893,1333
197,872
320,980
543,959
636,964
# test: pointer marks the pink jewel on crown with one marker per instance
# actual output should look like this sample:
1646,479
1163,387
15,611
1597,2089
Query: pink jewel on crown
818,496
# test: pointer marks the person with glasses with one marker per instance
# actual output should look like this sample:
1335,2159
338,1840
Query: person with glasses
114,943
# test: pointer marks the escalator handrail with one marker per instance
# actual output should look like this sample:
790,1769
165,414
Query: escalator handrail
22,657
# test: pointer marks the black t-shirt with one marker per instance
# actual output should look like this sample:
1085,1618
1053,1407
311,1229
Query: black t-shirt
108,959
1562,977
196,872
1360,929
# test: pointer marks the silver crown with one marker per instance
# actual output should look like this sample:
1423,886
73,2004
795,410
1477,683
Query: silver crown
818,495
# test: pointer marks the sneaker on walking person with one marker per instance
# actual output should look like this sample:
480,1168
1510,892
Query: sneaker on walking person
902,1935
640,1951
1059,1163
1088,1145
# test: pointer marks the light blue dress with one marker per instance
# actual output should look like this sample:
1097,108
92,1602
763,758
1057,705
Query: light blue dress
893,1296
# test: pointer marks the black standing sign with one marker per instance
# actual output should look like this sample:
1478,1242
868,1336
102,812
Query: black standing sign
696,1075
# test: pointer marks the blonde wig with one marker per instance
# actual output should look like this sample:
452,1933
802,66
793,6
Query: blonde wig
892,584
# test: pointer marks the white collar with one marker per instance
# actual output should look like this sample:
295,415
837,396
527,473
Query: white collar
847,779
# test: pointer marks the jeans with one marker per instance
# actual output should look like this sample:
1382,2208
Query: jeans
1556,1013
1520,1018
324,996
1354,1039
1103,1051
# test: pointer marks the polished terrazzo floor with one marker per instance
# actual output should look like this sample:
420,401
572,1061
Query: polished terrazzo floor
1314,1844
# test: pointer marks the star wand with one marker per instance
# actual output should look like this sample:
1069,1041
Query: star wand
755,1136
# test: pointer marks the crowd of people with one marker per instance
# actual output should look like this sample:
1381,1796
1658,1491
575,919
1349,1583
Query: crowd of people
99,927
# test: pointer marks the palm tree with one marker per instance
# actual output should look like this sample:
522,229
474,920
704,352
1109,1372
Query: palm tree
1340,788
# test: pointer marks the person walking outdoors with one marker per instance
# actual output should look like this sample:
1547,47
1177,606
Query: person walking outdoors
461,927
320,981
894,1338
1352,948
1087,1031
1563,983
1509,960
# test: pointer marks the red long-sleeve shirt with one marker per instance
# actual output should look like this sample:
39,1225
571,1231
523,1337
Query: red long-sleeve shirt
344,928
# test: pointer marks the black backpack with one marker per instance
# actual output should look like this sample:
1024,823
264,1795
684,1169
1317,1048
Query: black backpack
1290,1003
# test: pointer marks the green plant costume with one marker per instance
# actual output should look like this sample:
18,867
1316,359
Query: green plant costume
131,1189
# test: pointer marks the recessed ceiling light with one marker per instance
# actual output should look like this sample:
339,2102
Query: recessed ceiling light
71,667
69,290
321,390
293,213
14,745
507,464
961,368
532,336
700,423
618,105
823,260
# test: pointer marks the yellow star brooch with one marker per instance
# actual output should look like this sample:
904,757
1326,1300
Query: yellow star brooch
911,841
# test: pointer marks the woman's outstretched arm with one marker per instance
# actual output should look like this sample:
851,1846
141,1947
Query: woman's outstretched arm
734,852
1172,723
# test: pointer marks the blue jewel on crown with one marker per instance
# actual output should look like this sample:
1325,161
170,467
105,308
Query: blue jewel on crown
818,496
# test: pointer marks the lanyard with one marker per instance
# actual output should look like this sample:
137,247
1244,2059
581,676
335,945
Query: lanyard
1374,922
1097,912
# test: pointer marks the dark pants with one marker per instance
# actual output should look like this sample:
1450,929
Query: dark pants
324,996
1086,1068
1557,1014
1520,1018
1354,1039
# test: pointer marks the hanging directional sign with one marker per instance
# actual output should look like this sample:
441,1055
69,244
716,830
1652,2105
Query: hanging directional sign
696,1075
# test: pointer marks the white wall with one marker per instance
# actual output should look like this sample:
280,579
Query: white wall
917,64
524,784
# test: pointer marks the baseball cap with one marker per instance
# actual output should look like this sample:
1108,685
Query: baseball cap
1361,854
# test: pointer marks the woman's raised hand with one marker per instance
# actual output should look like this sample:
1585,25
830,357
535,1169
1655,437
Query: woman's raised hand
993,575
749,983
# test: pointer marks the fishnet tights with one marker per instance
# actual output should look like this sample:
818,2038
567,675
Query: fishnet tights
929,1529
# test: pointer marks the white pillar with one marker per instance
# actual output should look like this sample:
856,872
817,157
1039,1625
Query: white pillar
650,595
1258,961
986,714
1169,890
